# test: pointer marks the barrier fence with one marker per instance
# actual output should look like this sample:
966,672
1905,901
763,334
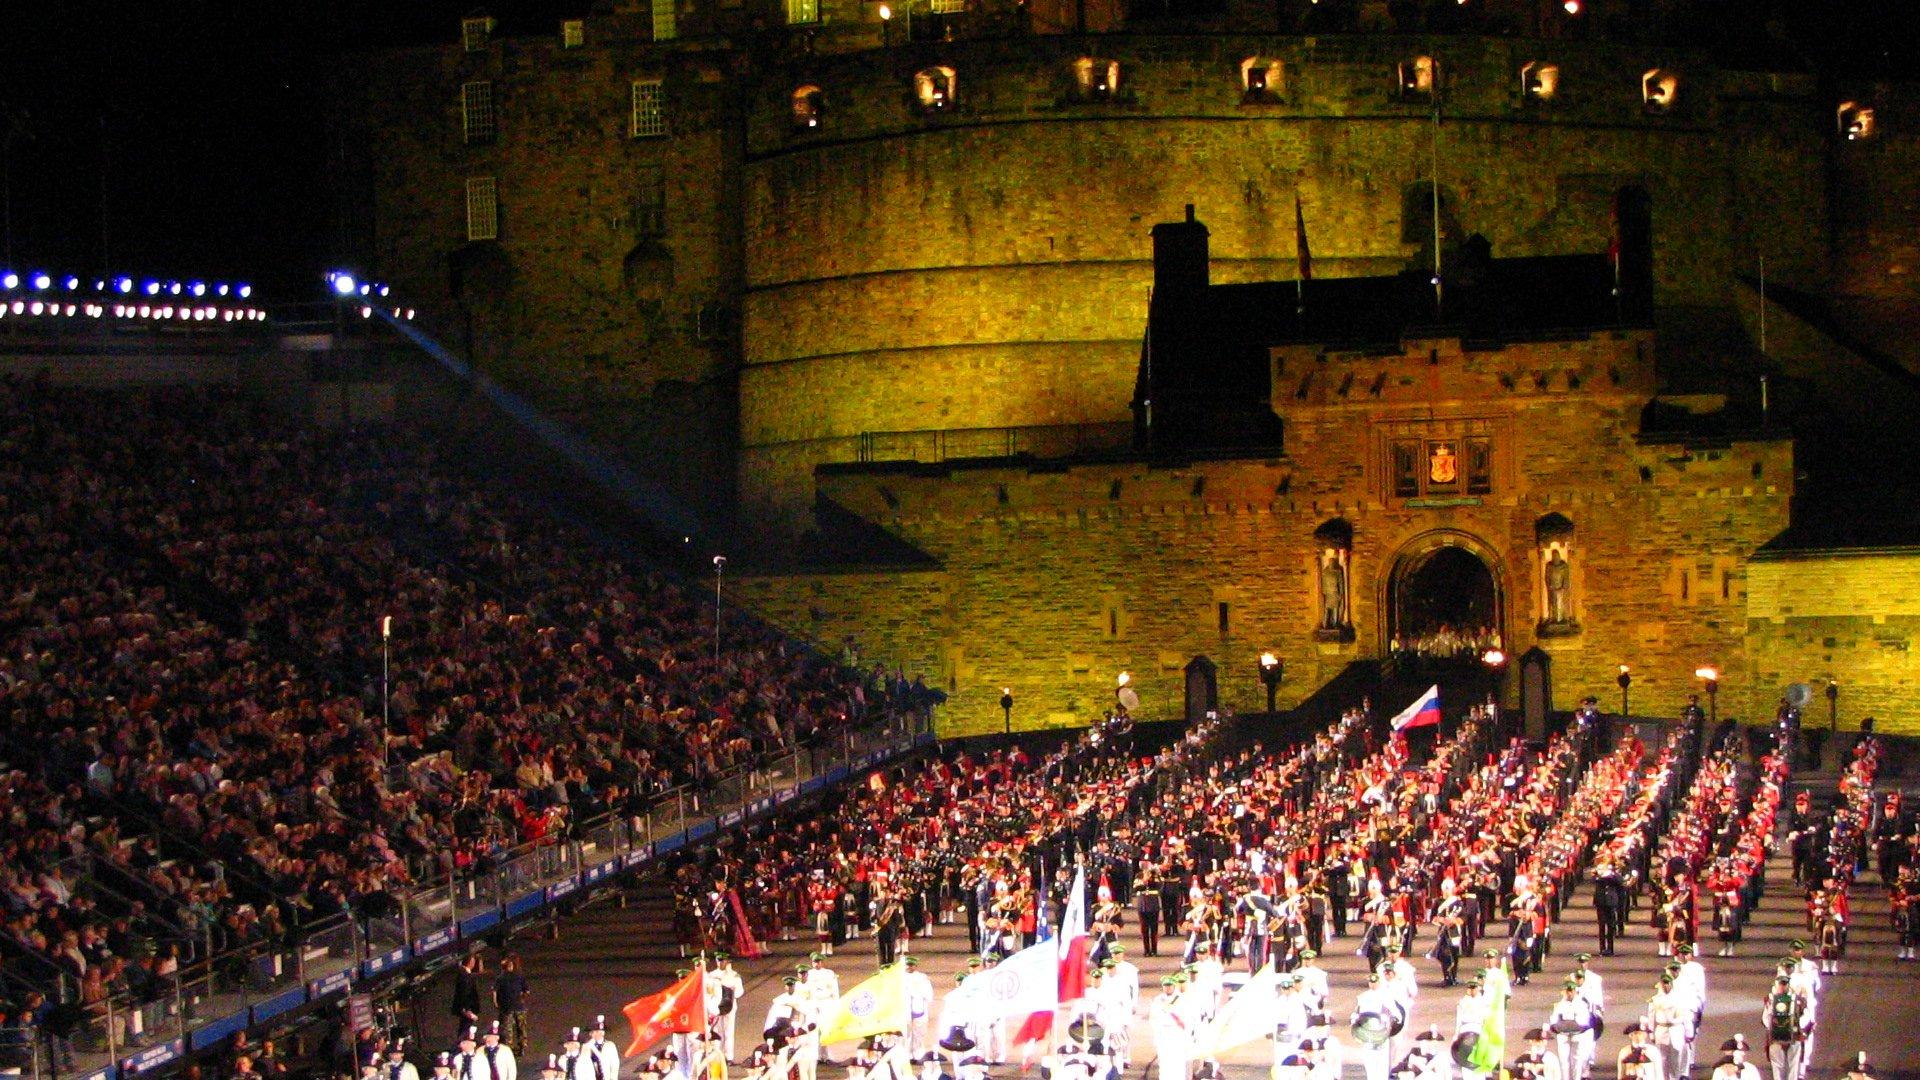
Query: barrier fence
207,1000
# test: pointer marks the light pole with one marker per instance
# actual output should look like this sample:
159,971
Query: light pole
386,695
719,573
1271,672
886,26
1496,662
1711,676
1006,706
1625,680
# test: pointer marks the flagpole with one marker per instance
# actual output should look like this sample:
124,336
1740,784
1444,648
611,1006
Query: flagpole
1438,298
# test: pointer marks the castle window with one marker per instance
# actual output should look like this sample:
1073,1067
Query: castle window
476,112
483,208
1096,79
1538,81
1659,90
1262,79
1479,466
649,109
666,20
476,32
1406,469
1226,618
573,33
1855,121
803,12
1419,78
650,203
935,88
808,108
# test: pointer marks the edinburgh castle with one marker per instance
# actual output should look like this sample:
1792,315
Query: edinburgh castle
1031,343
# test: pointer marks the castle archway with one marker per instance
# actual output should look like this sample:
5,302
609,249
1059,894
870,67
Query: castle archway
1446,599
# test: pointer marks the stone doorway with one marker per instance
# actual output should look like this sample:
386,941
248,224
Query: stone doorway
1203,689
1444,601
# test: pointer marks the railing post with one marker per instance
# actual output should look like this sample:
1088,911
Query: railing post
113,1050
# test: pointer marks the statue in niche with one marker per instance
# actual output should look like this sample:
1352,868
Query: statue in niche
1333,589
1559,582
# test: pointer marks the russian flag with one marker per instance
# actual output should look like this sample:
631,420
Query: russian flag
1424,712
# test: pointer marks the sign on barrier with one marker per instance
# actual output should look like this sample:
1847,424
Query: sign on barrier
435,941
639,855
787,795
387,961
111,1072
564,888
160,1053
729,819
331,984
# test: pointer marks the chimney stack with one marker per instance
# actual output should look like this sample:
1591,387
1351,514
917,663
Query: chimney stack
1179,259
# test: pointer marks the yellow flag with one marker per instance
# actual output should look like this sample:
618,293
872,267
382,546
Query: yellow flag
1245,1017
876,1005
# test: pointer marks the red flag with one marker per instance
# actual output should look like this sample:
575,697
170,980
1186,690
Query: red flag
1300,239
1074,943
681,1007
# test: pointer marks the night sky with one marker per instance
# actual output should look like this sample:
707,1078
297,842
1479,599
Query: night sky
200,124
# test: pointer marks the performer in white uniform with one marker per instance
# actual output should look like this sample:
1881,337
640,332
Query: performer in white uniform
1172,1037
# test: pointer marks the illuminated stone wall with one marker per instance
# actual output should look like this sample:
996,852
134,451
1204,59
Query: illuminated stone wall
1850,616
1055,578
989,265
580,305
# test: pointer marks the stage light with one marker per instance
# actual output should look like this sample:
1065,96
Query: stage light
173,288
153,288
73,284
383,290
11,281
125,285
199,288
343,284
42,281
222,290
246,291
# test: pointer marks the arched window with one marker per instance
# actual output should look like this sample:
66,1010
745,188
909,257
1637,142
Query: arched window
1419,78
1096,79
808,108
1538,81
935,88
1262,78
1855,121
1659,90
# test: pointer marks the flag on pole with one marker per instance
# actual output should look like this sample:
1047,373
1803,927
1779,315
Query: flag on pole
1304,256
1491,1050
878,1004
681,1007
1024,983
1424,712
1247,1015
1074,942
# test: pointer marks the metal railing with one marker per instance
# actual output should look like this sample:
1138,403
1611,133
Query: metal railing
212,996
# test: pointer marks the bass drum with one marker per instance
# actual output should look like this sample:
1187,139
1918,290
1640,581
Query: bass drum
1371,1028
